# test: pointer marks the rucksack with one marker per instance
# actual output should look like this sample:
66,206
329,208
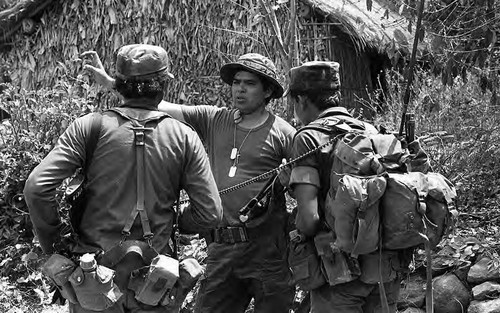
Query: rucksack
376,196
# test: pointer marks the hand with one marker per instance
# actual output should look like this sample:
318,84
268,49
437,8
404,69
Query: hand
284,174
92,63
57,297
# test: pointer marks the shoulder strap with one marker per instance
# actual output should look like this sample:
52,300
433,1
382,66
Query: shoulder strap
91,141
140,129
329,125
159,116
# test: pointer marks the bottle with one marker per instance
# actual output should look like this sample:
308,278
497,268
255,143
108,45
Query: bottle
88,262
93,284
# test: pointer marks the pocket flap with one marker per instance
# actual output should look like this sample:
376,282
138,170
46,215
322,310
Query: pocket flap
77,278
323,242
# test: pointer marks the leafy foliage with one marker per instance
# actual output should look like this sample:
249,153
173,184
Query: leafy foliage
37,120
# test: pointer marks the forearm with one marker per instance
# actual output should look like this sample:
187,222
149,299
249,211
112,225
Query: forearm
196,218
307,220
43,208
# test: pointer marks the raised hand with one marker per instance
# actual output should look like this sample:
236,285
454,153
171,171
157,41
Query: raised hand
92,64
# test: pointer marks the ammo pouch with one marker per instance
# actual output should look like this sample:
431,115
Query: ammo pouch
59,268
189,273
153,283
337,266
95,290
305,265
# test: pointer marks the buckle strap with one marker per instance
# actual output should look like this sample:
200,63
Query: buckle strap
230,235
139,209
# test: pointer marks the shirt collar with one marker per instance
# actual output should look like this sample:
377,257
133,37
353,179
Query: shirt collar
334,111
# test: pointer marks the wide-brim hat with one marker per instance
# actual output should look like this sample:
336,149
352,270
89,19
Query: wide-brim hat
257,64
141,61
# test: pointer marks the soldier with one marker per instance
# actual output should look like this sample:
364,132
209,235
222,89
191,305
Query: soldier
315,92
173,159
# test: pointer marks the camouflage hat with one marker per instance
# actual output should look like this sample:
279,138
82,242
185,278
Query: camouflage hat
254,63
315,76
142,61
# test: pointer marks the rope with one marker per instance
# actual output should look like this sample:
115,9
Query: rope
269,173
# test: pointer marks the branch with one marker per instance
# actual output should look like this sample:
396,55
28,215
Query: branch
11,19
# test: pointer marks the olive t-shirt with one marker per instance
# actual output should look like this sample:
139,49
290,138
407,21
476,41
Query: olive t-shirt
260,150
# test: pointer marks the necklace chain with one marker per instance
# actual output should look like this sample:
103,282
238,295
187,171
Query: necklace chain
242,143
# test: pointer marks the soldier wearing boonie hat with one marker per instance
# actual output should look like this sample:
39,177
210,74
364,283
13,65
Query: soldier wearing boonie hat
315,93
141,159
257,64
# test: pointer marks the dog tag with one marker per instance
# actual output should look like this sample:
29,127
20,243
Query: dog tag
232,171
234,153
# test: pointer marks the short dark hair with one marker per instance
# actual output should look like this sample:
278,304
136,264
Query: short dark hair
321,99
133,88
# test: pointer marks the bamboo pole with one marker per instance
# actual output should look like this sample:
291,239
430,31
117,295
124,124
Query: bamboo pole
272,23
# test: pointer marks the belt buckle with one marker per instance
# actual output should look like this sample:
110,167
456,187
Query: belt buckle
232,234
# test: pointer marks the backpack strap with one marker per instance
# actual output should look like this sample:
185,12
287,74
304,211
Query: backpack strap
140,129
335,124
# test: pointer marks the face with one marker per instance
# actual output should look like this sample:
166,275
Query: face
249,94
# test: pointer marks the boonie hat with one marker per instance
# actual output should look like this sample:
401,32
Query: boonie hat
315,76
142,61
254,63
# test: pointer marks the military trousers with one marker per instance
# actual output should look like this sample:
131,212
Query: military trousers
354,297
237,273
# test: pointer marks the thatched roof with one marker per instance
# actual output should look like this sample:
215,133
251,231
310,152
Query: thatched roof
381,28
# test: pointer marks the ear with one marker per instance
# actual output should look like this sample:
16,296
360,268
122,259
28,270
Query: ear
302,100
268,92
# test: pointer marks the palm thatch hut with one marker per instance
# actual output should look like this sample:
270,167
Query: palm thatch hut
200,36
366,41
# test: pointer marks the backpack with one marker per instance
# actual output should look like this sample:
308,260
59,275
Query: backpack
377,198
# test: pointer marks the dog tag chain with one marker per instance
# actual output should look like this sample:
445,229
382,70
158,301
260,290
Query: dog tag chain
235,152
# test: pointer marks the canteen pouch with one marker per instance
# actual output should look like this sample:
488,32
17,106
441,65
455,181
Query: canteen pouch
95,290
305,265
151,283
190,271
58,268
336,265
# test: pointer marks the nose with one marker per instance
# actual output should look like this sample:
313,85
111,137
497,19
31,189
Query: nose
239,87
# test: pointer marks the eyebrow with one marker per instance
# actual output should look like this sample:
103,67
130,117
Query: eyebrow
255,80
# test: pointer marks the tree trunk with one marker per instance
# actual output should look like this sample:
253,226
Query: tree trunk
11,19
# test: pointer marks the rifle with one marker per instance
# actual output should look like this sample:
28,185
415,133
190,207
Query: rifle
409,78
409,127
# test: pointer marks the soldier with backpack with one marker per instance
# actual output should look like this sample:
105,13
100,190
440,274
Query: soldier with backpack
141,161
343,284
